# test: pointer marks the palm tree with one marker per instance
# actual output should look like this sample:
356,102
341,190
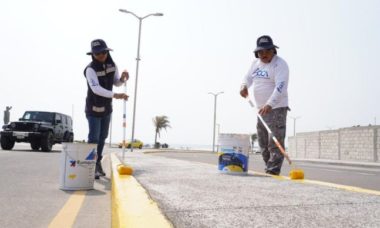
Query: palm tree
253,139
160,122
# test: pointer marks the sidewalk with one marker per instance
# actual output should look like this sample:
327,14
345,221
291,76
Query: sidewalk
194,194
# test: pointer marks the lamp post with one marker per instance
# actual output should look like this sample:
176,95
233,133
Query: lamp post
294,130
218,131
213,131
137,66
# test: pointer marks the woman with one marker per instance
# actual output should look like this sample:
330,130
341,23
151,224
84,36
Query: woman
101,74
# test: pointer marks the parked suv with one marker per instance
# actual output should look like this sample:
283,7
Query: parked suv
40,129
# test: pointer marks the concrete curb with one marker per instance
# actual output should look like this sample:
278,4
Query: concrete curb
131,204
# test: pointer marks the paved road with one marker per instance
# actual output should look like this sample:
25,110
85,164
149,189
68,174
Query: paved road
30,195
364,177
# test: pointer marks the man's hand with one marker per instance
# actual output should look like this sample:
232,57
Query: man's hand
244,92
265,110
120,96
124,76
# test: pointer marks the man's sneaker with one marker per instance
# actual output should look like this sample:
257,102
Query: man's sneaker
99,169
272,173
97,175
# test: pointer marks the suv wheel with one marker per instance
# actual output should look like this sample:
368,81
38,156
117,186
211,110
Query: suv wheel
140,147
35,145
47,142
71,138
7,143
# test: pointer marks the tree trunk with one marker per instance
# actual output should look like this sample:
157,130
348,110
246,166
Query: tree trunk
155,138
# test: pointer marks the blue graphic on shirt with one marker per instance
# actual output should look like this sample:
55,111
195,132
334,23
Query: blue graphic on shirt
260,73
94,83
280,87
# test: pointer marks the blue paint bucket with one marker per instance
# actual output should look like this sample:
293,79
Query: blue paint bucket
233,153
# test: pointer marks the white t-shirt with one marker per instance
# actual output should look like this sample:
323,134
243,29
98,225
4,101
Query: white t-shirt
270,82
93,81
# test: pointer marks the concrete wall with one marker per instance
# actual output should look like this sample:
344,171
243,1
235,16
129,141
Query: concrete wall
348,144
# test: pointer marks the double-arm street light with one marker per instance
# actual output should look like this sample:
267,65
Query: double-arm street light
137,66
214,127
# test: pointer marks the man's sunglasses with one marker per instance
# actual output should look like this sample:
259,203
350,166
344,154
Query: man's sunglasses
101,53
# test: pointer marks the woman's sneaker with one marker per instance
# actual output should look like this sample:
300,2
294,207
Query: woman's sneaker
99,170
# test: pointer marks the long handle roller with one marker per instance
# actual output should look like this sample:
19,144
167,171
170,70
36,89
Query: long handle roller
282,150
124,119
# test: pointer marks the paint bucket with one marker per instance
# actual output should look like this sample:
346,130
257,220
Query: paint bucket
233,153
77,171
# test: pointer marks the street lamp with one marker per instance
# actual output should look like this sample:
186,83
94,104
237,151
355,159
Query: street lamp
213,131
137,66
294,123
294,130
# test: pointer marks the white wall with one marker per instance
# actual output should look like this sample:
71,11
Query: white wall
348,144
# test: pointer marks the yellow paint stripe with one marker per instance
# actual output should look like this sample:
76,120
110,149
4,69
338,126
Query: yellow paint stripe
322,183
131,204
339,186
67,215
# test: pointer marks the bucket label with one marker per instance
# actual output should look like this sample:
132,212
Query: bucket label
233,162
91,155
73,163
72,176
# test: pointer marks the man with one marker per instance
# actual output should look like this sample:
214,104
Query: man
101,74
269,75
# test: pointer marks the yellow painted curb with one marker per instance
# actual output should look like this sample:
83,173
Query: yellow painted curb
131,204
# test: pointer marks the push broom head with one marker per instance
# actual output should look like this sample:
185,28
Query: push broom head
296,174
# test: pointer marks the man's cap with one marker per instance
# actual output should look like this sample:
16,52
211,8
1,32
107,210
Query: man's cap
264,43
98,46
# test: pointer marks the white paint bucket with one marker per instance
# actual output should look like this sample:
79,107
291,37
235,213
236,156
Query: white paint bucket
233,153
78,162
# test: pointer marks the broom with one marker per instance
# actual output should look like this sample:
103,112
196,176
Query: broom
295,174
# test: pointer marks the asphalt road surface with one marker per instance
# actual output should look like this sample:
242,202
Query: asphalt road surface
364,177
30,194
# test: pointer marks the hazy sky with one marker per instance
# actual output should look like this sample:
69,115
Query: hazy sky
198,46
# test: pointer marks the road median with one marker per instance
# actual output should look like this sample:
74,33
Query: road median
131,204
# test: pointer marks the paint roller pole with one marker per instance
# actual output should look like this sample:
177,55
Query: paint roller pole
279,146
137,66
110,130
214,126
124,121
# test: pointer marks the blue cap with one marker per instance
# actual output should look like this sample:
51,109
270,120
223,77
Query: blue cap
264,43
98,46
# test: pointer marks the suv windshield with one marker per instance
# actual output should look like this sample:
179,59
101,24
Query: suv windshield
39,116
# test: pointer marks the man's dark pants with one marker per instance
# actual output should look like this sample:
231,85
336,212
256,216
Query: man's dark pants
276,121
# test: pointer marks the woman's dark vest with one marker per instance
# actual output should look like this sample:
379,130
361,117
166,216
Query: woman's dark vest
96,105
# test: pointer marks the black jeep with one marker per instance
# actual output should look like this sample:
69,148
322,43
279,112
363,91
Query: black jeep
40,129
